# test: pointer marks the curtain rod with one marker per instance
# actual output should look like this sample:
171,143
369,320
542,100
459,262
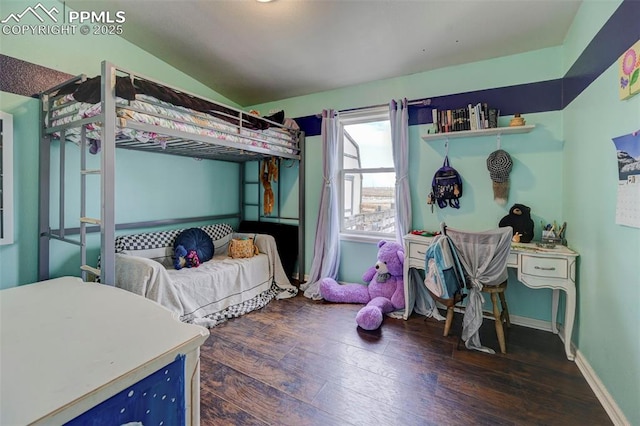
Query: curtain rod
424,102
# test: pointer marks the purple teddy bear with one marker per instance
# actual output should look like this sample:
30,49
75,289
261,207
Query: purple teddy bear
384,292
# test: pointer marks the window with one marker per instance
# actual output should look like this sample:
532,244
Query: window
6,178
367,175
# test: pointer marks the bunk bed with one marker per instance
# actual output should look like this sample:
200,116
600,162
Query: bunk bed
123,109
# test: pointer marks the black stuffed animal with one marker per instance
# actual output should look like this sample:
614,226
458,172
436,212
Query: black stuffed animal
519,218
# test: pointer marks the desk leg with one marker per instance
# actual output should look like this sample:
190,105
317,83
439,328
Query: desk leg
405,277
554,311
569,314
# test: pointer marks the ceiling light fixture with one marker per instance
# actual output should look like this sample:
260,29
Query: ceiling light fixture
264,1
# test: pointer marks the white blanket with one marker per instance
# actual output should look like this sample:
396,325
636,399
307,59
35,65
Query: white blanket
195,293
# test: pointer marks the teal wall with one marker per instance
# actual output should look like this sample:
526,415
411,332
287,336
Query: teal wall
19,261
536,178
609,283
146,190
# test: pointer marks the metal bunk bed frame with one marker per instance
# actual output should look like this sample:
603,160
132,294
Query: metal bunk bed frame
208,147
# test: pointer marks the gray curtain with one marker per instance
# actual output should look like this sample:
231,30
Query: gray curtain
483,256
399,116
326,249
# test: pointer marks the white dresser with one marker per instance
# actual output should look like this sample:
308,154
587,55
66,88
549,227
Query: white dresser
70,347
537,268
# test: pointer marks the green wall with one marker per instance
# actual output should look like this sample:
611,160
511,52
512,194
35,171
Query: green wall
609,284
19,261
536,178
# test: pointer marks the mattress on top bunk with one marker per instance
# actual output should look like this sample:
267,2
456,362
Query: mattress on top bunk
147,109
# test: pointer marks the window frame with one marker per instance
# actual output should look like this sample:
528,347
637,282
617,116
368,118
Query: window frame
368,115
6,179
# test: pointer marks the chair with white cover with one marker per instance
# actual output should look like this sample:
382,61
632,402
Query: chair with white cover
483,256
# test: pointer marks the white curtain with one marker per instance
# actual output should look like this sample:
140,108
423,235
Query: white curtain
399,116
326,250
419,299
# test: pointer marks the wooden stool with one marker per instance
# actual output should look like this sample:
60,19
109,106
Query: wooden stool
450,305
499,316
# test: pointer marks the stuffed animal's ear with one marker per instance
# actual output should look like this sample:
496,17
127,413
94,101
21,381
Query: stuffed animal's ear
400,255
381,243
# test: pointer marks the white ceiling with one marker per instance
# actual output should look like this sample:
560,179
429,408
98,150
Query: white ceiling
255,52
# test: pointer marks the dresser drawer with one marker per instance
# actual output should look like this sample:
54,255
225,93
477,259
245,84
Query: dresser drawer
548,267
418,250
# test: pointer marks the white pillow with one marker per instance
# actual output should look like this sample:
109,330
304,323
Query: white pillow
163,255
221,246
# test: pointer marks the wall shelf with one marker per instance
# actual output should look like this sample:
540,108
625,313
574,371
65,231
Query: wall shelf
482,132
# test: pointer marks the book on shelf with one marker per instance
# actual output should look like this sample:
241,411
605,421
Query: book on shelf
471,117
493,117
485,115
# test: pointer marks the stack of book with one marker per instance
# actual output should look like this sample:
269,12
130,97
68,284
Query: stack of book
473,117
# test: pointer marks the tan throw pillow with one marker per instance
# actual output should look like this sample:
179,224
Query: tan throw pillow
242,248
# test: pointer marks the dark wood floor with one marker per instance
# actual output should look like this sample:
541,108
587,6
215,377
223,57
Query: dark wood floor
301,362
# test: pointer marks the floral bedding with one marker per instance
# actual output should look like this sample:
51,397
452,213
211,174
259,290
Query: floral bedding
149,110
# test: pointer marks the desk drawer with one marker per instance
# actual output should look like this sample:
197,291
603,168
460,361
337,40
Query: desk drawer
417,250
548,267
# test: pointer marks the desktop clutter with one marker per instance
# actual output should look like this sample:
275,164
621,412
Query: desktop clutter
519,218
553,234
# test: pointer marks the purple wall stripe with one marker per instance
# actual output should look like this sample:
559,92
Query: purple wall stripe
614,38
311,124
521,98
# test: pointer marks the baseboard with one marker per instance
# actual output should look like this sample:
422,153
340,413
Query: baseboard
517,320
615,414
296,276
531,323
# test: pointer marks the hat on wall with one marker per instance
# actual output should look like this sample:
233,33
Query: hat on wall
499,165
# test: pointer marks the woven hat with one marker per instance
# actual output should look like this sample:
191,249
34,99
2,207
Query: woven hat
499,165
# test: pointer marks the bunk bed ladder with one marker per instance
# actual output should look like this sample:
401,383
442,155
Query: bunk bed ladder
84,220
244,182
106,222
46,233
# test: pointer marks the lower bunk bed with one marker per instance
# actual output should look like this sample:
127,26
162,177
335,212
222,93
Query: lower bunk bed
211,293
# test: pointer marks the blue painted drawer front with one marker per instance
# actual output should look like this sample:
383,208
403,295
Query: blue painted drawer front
158,399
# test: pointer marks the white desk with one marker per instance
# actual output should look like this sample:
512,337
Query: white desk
537,268
68,346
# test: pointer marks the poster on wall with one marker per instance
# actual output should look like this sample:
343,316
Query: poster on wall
629,72
628,203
